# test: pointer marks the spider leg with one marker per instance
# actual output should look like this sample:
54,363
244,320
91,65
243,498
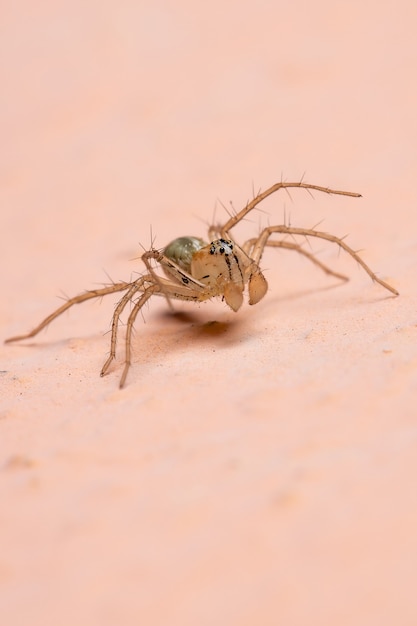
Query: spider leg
134,288
179,279
149,291
306,232
158,256
87,295
251,244
169,289
234,219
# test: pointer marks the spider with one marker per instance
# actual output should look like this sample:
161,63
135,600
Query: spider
195,270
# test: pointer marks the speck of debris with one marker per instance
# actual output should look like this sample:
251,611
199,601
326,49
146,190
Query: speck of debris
18,461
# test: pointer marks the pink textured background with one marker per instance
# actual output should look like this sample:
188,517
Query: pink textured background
261,470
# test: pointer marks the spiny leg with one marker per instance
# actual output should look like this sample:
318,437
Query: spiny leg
88,295
190,292
179,283
251,243
157,256
131,320
264,194
306,232
134,288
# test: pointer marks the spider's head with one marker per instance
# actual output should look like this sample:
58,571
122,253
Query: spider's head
222,246
221,267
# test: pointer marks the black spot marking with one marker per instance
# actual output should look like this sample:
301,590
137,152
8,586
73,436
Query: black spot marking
185,280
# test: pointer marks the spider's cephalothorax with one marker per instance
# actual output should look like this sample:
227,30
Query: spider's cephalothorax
221,268
197,271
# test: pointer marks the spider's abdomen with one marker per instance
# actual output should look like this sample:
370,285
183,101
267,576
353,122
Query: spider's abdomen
182,250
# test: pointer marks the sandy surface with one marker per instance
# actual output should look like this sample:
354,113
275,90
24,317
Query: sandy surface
259,468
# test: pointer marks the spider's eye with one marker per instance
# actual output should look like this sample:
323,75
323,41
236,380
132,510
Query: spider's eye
221,246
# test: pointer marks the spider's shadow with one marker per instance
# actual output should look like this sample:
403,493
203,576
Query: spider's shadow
190,327
199,327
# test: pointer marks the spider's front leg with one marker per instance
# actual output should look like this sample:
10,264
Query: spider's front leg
238,217
181,286
262,241
138,285
131,320
290,245
156,285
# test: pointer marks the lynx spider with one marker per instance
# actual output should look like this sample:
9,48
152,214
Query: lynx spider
197,271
